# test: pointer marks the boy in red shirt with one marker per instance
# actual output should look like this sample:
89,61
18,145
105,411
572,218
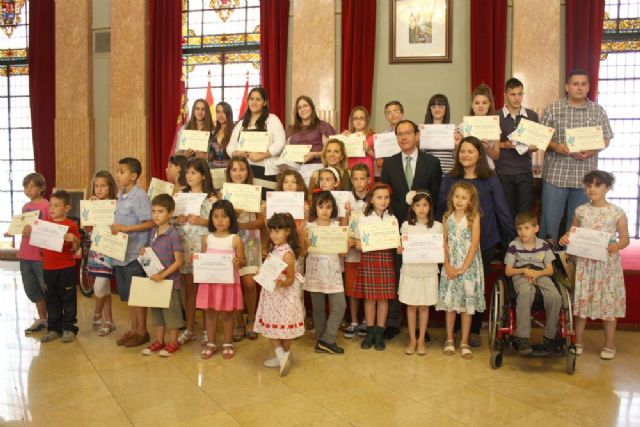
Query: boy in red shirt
60,273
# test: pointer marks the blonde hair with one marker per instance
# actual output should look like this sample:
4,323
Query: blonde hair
473,210
343,164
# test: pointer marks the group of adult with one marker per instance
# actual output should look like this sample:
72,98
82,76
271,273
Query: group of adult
502,176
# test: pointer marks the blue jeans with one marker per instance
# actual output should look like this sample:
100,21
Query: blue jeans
124,274
554,201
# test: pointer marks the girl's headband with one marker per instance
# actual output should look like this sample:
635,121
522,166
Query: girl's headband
412,194
332,170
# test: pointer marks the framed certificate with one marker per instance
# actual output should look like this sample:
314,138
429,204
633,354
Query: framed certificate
213,268
586,138
485,128
295,153
18,222
353,144
437,137
285,201
532,133
108,244
379,235
243,196
328,239
385,144
253,142
158,186
422,248
195,140
97,212
147,293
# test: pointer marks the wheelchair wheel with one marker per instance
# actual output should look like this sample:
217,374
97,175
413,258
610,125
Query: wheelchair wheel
571,360
85,281
496,308
496,359
568,312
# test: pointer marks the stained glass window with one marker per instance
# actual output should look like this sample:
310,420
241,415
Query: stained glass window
619,94
220,44
16,147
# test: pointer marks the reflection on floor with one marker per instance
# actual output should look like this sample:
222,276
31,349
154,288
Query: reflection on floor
94,382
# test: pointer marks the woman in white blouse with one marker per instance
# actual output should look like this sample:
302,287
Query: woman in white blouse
258,119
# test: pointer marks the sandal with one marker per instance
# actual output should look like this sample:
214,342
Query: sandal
422,350
607,353
97,321
239,332
227,351
208,351
578,350
186,337
410,349
449,348
251,334
465,351
106,329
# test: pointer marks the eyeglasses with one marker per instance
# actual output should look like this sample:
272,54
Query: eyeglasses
407,133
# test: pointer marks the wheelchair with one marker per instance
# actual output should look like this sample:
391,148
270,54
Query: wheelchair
502,319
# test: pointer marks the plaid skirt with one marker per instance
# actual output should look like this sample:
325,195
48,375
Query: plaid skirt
376,277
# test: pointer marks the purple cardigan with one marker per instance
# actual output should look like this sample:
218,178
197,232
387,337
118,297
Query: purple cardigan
495,216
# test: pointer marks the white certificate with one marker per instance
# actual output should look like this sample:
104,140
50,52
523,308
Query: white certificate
270,271
307,170
48,235
158,186
213,268
188,203
328,240
196,140
437,137
253,142
532,133
422,248
482,127
147,293
218,177
385,144
379,235
295,153
18,222
150,262
353,223
108,244
342,197
583,139
588,243
353,143
97,212
243,196
285,202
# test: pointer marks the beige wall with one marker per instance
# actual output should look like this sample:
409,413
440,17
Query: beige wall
101,67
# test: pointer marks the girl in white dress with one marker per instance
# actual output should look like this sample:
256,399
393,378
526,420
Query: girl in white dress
418,281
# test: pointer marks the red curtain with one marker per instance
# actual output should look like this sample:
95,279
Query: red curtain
584,20
165,70
274,33
489,45
42,87
358,48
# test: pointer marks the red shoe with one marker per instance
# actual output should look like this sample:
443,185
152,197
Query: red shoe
154,348
170,349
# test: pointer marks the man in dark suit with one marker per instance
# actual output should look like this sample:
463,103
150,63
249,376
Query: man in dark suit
411,169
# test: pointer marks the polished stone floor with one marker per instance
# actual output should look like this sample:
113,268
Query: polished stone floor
94,382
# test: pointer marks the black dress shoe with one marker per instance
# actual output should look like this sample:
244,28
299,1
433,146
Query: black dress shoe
329,348
390,332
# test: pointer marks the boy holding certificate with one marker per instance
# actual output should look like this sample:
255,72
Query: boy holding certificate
60,274
165,243
133,216
30,256
529,261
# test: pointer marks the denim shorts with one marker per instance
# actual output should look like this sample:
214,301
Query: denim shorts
32,279
123,274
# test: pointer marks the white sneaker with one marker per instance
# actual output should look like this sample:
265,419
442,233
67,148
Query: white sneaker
272,363
285,363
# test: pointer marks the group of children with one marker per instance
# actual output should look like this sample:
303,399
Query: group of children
280,315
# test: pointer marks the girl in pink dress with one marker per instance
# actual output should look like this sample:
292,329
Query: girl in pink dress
280,315
222,298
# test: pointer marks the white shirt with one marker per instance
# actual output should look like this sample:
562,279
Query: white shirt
522,112
414,160
277,138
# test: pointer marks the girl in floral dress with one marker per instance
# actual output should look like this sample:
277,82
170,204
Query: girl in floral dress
280,314
462,280
599,290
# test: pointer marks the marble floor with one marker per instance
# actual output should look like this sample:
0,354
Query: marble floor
94,382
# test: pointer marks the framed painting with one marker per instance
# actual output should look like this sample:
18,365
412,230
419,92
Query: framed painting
419,31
